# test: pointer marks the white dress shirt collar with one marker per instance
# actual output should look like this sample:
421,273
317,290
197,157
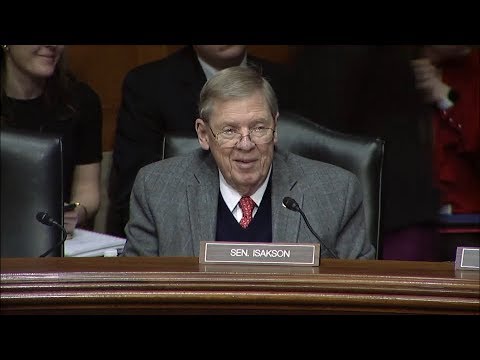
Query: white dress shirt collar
210,70
232,197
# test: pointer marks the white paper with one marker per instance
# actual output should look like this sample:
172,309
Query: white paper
89,243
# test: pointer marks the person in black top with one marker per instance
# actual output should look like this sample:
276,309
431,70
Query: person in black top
162,96
38,94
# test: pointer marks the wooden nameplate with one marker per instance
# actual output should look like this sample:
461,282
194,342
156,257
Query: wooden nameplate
224,252
468,258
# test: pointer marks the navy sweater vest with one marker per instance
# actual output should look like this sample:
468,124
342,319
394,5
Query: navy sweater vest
259,229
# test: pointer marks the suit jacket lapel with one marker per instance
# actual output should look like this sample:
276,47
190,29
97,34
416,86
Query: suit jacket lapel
286,223
202,198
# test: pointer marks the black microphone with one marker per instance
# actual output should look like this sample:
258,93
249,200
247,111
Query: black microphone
46,219
291,204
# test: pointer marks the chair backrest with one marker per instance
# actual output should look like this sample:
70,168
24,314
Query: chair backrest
31,180
361,155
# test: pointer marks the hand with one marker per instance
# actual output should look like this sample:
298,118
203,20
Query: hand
429,80
70,220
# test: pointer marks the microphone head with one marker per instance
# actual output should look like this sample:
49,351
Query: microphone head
44,218
290,204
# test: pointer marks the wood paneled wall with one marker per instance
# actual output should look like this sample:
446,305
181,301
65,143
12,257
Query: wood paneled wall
104,67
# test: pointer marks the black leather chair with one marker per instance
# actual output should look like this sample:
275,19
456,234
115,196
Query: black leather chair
361,155
31,181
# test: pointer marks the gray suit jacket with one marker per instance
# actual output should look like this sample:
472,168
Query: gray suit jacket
173,206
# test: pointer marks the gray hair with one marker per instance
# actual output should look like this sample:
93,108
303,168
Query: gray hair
235,82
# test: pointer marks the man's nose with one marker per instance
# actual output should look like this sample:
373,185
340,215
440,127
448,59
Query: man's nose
245,141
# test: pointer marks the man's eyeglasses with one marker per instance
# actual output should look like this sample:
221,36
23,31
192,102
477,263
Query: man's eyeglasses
231,137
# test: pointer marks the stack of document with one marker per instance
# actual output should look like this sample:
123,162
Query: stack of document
88,243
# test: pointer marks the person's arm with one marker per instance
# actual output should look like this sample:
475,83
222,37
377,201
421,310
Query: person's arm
352,242
429,80
142,238
85,186
138,142
85,191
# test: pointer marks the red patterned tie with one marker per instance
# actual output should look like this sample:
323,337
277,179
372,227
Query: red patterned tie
247,205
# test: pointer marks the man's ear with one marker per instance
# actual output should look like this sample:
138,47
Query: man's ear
275,134
202,134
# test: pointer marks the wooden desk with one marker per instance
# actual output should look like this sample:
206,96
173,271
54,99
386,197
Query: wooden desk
162,285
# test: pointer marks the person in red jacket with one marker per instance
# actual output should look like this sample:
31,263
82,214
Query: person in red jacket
450,77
